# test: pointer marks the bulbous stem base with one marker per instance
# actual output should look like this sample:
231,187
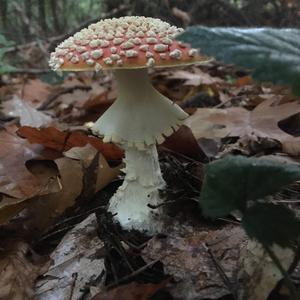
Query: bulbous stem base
135,202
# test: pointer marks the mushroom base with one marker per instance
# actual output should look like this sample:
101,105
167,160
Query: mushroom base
140,190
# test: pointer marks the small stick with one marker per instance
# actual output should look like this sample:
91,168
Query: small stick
74,276
220,269
133,274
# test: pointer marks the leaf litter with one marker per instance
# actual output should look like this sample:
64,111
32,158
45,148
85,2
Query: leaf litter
77,173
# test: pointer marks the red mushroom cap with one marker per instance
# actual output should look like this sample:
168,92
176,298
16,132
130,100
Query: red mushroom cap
123,43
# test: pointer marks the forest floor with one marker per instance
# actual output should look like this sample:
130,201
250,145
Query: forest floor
57,239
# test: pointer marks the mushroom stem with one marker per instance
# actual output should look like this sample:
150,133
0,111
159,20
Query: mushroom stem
140,188
140,115
139,119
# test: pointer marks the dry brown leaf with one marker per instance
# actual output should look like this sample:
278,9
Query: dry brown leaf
17,272
258,274
291,146
73,168
78,253
185,255
183,141
104,174
218,123
43,210
131,291
34,91
9,211
63,141
29,116
15,179
244,80
194,79
47,173
239,122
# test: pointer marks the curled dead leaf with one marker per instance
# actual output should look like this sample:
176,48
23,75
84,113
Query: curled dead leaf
15,179
83,171
55,139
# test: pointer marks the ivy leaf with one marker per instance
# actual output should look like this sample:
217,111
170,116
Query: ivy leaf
274,54
232,181
270,223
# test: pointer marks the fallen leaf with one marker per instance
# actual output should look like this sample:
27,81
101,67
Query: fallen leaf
185,256
131,291
183,142
104,173
194,79
74,169
291,146
34,91
47,174
18,271
15,179
77,261
29,116
218,123
43,210
245,80
257,273
238,122
63,141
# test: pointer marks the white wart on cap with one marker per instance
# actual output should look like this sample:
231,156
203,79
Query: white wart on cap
122,43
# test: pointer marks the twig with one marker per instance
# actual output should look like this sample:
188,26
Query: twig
44,237
181,155
220,269
230,221
291,201
133,274
287,279
88,212
74,276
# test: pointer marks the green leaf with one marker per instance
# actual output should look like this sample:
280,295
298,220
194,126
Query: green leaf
6,69
274,54
232,181
5,42
53,78
270,223
3,50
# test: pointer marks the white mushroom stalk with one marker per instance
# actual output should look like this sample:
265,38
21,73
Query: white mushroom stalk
140,116
139,119
137,203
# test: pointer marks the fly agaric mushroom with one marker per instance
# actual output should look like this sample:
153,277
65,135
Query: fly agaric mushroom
141,117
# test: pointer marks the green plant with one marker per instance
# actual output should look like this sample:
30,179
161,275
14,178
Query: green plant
272,54
5,45
240,183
